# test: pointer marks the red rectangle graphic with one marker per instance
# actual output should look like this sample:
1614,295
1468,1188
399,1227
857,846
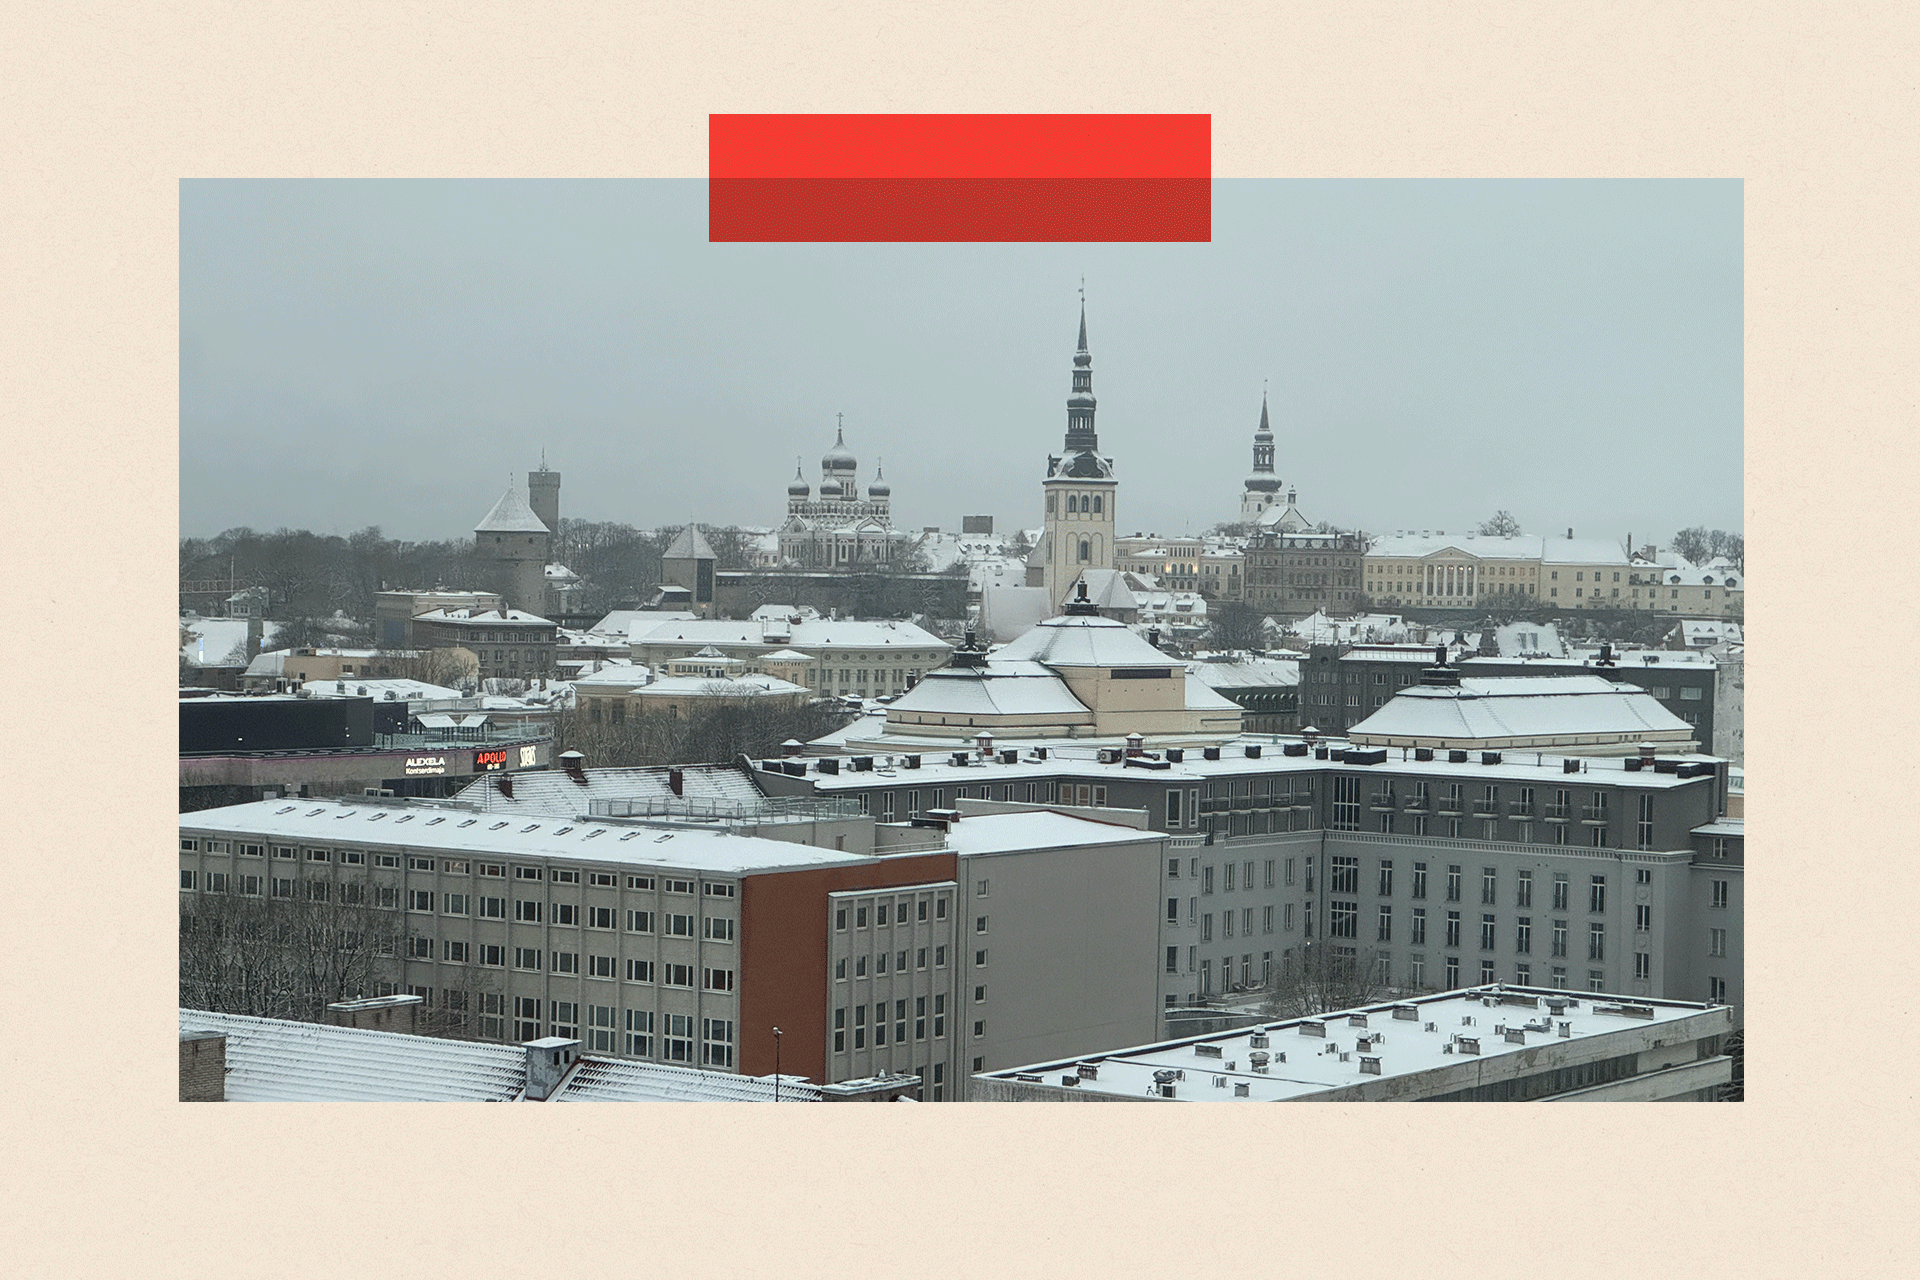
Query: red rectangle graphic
960,178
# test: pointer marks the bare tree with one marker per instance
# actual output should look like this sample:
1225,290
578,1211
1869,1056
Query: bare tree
1234,625
1694,544
1322,977
274,955
1500,524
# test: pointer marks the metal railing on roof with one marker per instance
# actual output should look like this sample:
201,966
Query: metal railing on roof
756,809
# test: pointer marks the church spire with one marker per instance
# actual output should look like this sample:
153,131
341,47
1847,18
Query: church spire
1080,403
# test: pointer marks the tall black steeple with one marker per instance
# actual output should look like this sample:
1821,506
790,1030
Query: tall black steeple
1080,404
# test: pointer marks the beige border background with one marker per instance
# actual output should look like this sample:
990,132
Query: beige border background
108,106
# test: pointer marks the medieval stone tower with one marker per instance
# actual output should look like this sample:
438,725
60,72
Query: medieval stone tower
520,543
1078,519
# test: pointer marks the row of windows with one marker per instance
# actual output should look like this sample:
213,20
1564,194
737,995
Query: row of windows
880,913
899,1022
879,962
463,866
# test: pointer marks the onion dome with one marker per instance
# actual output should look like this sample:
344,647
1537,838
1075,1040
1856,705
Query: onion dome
839,458
798,486
879,488
1263,482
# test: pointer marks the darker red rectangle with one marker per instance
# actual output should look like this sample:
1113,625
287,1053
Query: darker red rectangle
959,146
959,209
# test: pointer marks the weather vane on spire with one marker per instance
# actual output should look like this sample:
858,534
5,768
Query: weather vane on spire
1083,291
841,421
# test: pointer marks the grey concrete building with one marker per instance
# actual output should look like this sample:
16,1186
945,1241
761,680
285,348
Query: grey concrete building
1494,1043
1440,868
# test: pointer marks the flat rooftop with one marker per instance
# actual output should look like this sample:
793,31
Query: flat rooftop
473,832
1306,1056
1539,768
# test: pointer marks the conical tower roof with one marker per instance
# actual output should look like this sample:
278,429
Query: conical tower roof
512,515
689,545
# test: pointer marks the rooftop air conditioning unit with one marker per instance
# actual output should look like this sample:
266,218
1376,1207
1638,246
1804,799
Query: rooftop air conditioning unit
1423,753
1210,753
910,762
1176,754
1456,757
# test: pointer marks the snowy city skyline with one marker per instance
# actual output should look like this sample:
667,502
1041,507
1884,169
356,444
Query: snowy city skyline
364,353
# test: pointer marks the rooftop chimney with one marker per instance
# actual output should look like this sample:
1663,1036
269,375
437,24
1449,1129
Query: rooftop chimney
377,1013
203,1066
548,1061
677,782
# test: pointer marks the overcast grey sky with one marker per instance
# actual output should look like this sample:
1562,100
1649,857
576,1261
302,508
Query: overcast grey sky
386,353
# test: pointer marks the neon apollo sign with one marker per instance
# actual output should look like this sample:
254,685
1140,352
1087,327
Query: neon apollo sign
489,761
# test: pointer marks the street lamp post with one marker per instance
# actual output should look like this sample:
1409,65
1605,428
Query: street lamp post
776,1064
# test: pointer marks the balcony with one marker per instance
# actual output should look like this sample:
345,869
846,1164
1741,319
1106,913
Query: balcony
1558,812
1520,808
1419,804
1594,813
1452,808
1301,799
1382,800
1486,808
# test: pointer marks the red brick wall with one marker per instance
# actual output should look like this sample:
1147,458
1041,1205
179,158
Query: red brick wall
783,955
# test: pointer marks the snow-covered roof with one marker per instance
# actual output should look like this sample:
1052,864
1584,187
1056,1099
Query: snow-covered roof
1583,551
1010,611
506,833
1414,546
621,622
598,1079
808,633
1318,628
1246,673
482,617
1532,708
512,515
986,833
211,640
380,689
554,792
1004,687
731,686
1081,641
274,1060
271,1060
1302,1063
1106,588
688,544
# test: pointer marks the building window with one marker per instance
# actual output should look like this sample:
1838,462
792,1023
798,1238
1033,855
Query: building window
1486,932
1343,919
1597,894
1453,971
1560,890
1559,938
1453,883
1386,877
527,958
1418,936
1419,880
1716,942
1453,928
1596,941
1384,929
1523,890
1719,894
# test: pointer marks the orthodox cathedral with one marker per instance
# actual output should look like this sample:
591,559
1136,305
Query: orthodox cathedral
838,529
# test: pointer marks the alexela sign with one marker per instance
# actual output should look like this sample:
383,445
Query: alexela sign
484,761
417,765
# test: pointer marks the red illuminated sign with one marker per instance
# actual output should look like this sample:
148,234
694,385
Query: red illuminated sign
484,761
